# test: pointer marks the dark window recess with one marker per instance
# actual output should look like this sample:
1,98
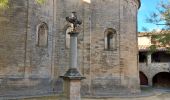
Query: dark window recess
161,56
142,57
42,35
110,39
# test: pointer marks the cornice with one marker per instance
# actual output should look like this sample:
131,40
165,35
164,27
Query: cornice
139,2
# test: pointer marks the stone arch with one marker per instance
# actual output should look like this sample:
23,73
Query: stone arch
67,28
143,78
162,80
67,36
155,71
110,39
42,34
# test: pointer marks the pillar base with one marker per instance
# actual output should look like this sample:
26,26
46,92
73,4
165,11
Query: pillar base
72,84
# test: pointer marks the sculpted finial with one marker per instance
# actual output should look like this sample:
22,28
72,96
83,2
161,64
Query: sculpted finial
73,20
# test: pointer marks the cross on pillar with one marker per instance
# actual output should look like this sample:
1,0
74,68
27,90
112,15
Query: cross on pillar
72,78
73,20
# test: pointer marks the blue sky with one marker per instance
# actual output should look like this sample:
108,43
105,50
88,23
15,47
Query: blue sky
147,7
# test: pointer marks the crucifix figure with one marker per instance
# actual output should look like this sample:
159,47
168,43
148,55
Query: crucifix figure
74,21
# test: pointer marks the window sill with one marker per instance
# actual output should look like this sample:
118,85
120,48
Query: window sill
110,49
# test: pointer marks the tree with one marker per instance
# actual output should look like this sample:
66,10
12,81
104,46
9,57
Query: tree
161,17
4,3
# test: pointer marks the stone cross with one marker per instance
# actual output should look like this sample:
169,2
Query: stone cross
72,78
73,39
74,21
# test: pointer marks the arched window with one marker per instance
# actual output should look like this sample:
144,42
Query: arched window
110,39
69,29
42,34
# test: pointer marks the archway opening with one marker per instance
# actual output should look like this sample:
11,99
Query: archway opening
162,80
143,79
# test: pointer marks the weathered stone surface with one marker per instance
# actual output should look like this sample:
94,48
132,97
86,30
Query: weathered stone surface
152,69
20,57
72,89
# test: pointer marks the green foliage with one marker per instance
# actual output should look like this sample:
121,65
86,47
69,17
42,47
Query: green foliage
160,41
40,1
161,17
152,48
3,4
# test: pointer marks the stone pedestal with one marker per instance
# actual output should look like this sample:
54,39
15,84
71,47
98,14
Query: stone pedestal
72,78
72,84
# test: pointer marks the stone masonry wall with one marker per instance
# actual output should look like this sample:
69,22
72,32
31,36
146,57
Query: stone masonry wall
39,58
22,63
128,45
13,23
152,69
107,72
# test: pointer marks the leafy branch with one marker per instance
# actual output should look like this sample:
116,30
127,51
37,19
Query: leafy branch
160,17
5,3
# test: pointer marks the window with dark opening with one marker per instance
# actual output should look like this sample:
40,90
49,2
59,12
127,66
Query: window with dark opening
161,56
42,37
142,57
110,39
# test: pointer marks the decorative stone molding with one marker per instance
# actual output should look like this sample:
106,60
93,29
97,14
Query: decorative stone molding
138,2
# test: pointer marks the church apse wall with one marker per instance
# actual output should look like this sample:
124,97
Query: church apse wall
108,39
26,47
13,23
35,45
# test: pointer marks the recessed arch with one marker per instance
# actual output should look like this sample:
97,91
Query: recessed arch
67,36
42,34
143,78
161,80
110,39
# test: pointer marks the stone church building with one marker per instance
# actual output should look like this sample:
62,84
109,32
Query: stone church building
34,46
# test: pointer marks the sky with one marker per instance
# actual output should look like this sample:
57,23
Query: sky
147,7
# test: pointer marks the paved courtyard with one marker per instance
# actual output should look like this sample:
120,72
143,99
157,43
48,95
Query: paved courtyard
162,96
147,93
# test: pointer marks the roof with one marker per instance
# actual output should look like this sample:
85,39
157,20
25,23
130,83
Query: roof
141,34
145,48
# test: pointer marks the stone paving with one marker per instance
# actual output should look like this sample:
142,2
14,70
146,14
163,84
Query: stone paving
146,94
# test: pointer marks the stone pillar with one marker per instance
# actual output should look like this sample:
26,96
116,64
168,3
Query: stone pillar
150,80
73,49
72,78
149,58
